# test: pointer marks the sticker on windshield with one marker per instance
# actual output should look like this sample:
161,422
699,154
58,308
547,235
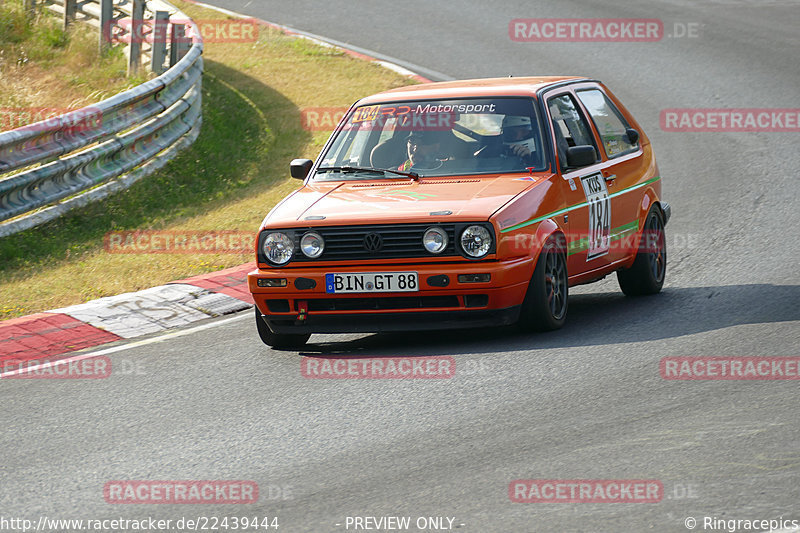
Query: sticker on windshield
594,186
366,113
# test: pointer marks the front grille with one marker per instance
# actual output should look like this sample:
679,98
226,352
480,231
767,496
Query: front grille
393,302
352,243
398,240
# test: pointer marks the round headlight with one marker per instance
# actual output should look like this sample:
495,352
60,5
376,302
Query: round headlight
476,241
278,248
312,245
435,240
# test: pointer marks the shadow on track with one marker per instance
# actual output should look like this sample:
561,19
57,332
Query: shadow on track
596,320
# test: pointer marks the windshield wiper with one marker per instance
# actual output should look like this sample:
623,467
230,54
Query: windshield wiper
412,175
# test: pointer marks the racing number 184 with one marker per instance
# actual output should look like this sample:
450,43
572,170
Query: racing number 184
594,187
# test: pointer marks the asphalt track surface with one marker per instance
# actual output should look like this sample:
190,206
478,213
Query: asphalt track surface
586,402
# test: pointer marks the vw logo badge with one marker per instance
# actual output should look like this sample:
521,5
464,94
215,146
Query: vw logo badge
373,242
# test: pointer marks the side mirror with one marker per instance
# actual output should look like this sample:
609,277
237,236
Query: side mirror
300,168
580,156
633,135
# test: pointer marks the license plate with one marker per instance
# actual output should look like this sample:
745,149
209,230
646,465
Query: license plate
371,282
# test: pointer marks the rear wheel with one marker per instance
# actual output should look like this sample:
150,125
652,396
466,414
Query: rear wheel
646,275
279,341
546,301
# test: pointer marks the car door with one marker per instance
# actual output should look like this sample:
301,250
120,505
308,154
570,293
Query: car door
585,191
622,169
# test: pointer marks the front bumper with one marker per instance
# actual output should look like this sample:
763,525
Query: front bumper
416,321
303,306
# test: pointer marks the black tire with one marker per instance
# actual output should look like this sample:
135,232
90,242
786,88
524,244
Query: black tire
547,298
646,275
278,341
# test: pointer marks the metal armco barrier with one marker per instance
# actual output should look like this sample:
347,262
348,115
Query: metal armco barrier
88,154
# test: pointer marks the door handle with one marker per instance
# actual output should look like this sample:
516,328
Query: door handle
611,177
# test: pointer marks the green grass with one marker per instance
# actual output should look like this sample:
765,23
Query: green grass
235,172
15,27
40,37
43,66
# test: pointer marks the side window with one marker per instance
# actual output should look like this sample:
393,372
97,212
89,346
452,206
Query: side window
569,126
609,123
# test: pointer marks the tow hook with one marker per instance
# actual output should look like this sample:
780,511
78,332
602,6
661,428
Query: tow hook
302,310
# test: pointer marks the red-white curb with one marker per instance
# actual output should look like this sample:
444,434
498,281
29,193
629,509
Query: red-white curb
45,335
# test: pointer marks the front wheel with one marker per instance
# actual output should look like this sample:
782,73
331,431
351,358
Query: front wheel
646,275
279,341
546,300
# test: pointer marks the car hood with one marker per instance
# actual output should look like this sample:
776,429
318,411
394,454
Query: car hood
370,202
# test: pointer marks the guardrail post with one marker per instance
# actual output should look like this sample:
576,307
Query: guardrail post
159,50
178,43
30,8
106,22
137,29
70,7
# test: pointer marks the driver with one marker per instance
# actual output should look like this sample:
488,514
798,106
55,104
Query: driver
518,136
423,148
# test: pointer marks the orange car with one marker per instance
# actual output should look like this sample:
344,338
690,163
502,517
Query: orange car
462,204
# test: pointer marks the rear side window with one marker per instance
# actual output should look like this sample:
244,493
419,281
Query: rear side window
609,123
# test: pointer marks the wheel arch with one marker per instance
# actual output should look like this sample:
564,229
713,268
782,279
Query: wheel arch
547,230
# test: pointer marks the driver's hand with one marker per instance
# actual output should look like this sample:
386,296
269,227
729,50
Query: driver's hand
520,150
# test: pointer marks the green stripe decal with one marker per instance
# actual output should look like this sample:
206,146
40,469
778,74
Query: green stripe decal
619,232
633,188
615,234
576,206
577,246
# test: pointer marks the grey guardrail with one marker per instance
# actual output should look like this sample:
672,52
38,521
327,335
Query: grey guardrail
64,162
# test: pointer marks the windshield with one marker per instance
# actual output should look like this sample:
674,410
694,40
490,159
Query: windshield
436,138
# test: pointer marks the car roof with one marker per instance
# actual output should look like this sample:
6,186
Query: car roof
481,87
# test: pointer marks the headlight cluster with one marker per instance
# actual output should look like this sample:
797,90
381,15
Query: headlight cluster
435,240
312,245
278,247
476,241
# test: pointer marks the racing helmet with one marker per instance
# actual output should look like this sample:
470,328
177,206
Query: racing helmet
518,130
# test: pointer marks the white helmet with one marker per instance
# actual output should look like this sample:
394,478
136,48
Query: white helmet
512,126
